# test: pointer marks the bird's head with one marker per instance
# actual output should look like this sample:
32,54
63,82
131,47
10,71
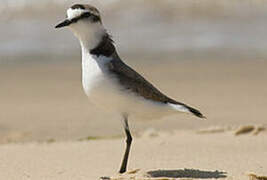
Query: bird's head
85,22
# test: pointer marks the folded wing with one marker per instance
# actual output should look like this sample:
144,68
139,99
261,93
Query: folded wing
134,82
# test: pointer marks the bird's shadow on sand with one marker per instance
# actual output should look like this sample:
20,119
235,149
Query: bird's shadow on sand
187,173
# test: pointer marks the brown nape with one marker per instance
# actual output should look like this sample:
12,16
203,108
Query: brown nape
105,47
77,6
92,9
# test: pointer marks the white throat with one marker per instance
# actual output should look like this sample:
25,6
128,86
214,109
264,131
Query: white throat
89,34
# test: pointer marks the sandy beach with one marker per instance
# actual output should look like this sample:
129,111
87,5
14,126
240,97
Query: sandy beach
50,131
163,156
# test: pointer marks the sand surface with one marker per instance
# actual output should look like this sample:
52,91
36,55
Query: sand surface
45,114
174,155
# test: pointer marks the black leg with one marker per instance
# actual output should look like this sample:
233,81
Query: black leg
128,145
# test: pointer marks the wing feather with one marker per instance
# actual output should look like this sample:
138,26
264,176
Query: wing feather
133,81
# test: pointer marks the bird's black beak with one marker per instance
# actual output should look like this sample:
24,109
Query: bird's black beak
64,23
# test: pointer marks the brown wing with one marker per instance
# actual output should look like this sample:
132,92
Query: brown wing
134,82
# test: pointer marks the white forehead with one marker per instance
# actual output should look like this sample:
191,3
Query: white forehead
73,13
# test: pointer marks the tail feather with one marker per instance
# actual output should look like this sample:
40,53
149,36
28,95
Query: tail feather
187,109
196,112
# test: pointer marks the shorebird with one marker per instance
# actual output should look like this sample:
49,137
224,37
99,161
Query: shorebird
110,83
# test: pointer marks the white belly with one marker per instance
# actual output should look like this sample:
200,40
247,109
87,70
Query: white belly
107,95
105,92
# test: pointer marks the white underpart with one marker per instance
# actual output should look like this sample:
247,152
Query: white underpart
93,70
179,107
73,13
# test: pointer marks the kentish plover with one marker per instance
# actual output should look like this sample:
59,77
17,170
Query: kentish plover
109,82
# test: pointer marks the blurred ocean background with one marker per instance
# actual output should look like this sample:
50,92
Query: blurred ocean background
195,29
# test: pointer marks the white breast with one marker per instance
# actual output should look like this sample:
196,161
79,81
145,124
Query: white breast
101,88
92,71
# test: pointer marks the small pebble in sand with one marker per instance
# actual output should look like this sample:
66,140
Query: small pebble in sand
105,178
253,176
244,129
259,129
133,171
